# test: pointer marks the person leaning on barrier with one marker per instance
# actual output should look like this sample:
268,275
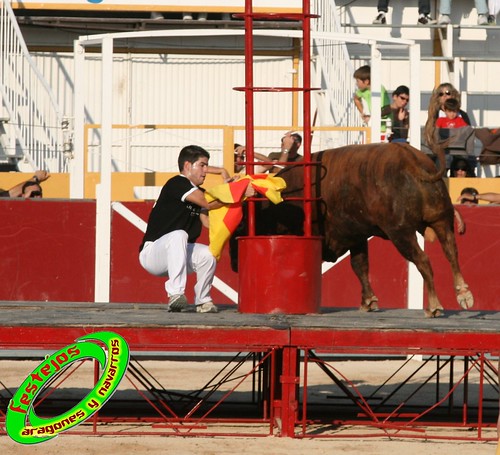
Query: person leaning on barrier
31,189
290,145
492,198
18,189
468,196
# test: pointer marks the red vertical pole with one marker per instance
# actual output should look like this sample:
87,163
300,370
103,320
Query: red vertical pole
481,398
289,381
306,62
249,109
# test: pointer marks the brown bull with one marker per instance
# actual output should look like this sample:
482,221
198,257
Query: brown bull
391,191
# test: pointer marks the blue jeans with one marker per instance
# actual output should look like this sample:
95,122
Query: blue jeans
445,7
424,6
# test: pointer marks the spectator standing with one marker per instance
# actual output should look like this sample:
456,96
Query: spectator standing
424,11
169,245
398,113
445,11
363,95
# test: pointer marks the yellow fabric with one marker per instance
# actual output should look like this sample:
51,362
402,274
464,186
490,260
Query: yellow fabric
224,220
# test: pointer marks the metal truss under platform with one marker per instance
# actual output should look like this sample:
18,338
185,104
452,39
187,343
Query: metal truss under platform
262,385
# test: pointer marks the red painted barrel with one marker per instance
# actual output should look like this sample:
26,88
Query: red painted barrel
279,274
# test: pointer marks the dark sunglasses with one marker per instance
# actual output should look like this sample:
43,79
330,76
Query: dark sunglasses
446,92
36,194
404,98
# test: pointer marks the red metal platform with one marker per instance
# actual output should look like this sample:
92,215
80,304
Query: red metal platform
275,353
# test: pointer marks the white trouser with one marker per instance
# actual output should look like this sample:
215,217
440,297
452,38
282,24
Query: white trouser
172,255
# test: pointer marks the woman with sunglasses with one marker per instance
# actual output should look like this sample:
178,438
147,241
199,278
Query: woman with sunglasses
436,104
436,109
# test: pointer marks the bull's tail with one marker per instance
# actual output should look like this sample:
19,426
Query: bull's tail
439,151
437,147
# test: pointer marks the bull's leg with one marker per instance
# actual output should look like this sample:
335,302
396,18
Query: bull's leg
446,237
359,264
407,245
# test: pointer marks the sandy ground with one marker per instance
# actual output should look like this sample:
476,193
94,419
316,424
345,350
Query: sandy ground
365,376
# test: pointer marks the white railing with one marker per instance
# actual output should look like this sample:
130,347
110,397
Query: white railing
334,73
35,121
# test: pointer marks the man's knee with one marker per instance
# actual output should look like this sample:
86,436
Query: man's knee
207,258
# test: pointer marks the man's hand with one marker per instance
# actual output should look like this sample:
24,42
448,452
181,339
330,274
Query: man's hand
287,141
250,191
41,176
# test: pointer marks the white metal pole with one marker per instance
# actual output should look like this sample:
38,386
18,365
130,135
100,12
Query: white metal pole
103,204
77,171
415,102
415,282
376,84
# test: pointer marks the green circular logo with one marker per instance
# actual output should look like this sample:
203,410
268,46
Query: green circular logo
22,423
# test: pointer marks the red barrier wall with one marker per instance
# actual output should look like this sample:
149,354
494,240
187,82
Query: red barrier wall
47,250
47,253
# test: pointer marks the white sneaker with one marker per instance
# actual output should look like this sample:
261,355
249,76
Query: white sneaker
425,19
444,19
177,303
187,17
380,19
207,307
482,19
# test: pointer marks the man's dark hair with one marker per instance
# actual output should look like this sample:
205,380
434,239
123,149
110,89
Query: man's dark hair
469,190
363,73
31,183
401,90
191,154
297,138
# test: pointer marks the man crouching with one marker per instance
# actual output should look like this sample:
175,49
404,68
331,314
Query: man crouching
175,222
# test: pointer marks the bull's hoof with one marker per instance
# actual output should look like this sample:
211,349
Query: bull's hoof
434,313
465,298
369,305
